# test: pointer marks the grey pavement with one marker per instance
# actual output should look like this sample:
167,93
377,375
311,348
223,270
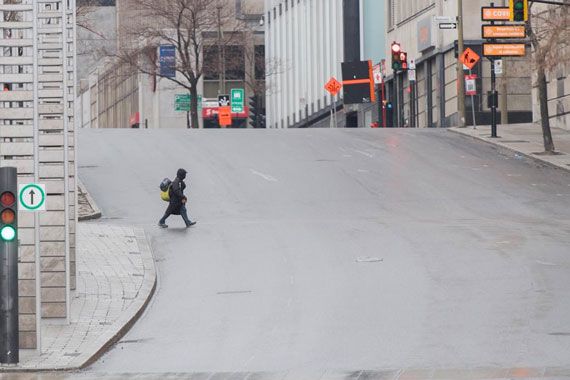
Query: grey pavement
525,139
115,279
87,207
340,251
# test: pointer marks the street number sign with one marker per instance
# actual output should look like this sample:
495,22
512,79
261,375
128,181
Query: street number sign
32,197
495,14
504,50
503,31
469,58
238,100
333,86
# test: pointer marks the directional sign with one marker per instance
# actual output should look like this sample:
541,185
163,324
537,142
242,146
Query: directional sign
182,102
333,86
504,50
469,58
32,197
448,25
495,14
224,100
238,100
503,31
444,19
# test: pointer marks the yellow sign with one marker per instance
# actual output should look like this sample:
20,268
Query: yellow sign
504,31
504,50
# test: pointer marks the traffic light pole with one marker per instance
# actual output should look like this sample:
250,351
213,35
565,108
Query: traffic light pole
9,335
494,100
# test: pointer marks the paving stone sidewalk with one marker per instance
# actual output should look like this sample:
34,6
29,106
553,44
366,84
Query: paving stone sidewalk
525,139
116,278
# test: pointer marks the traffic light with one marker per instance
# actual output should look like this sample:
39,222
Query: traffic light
8,207
254,111
396,56
519,10
404,60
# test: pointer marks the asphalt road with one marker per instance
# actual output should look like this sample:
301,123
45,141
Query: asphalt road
339,250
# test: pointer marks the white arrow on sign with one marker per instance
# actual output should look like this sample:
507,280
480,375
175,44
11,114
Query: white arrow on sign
32,197
448,25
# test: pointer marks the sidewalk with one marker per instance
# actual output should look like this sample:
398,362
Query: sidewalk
116,278
525,139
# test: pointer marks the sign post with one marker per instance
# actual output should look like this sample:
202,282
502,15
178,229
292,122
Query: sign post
9,329
471,90
333,87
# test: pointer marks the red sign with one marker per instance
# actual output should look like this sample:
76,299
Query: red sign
212,112
469,58
471,85
225,116
495,14
333,86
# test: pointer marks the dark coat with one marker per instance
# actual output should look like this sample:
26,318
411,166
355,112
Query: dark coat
177,193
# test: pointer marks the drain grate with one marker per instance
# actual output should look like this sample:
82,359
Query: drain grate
515,142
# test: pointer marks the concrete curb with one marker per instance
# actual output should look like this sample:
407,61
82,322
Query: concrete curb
497,143
134,312
96,210
94,351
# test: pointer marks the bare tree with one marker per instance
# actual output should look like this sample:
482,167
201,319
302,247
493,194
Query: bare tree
549,31
188,25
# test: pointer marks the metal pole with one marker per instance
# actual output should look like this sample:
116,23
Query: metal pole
383,102
473,107
504,88
494,100
397,109
331,124
37,253
9,334
461,81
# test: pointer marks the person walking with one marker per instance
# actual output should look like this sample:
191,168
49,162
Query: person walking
177,204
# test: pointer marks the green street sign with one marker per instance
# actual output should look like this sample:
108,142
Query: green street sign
32,197
182,102
237,100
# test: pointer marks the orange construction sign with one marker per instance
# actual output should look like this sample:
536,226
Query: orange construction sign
504,50
495,14
469,58
225,116
504,31
333,86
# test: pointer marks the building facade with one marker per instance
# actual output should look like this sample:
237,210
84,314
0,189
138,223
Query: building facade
37,66
116,96
306,42
432,100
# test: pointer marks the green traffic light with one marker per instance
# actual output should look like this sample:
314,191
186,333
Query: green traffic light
8,233
519,6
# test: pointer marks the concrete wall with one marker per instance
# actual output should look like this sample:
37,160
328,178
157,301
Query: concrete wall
37,132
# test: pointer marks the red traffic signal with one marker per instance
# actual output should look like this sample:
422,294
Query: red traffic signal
7,199
8,216
396,61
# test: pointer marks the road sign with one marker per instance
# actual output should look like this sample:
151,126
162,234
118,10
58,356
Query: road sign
377,72
412,75
504,50
32,197
503,31
448,25
471,85
182,102
225,116
333,86
495,14
469,58
224,101
238,100
444,19
498,66
167,59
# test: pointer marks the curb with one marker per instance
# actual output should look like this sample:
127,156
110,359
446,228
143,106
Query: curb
510,149
124,323
96,210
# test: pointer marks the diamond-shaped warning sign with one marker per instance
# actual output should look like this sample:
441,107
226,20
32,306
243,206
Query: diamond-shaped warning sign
469,58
